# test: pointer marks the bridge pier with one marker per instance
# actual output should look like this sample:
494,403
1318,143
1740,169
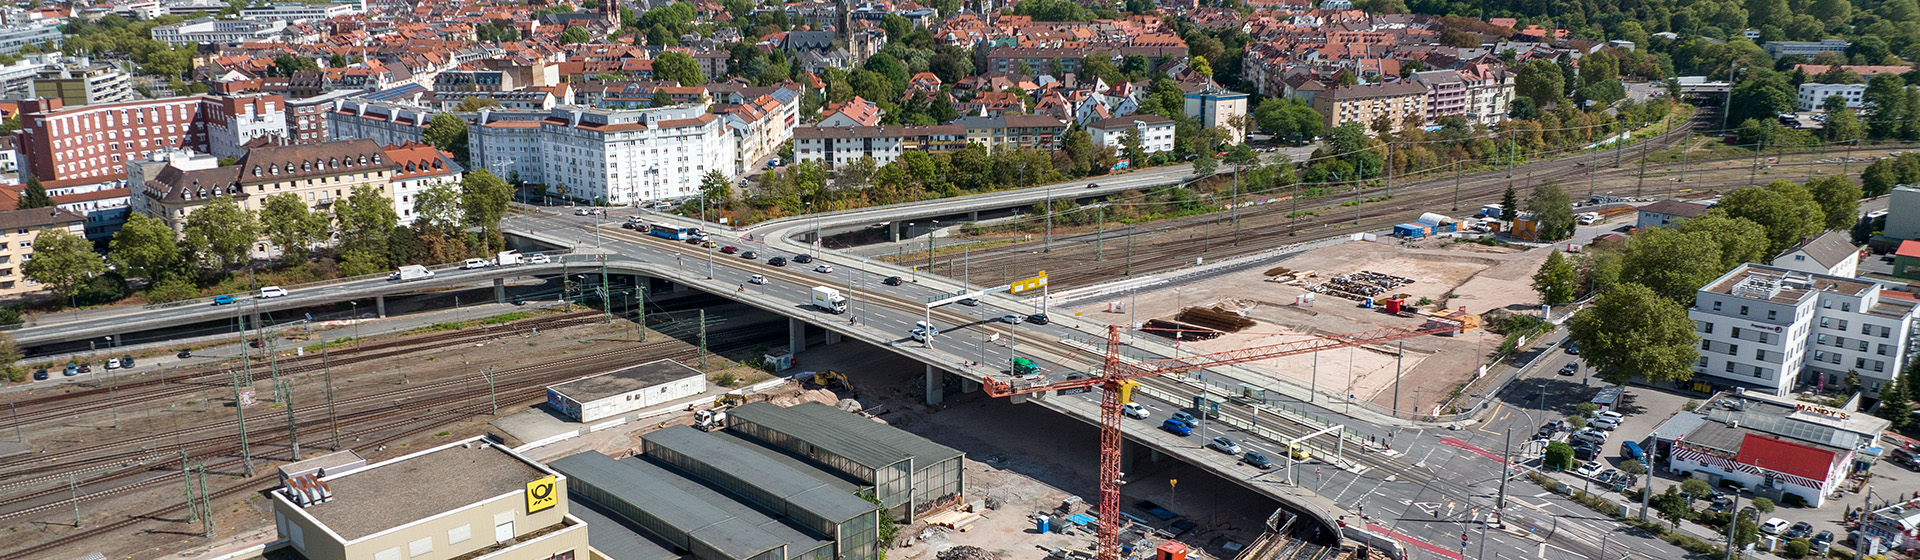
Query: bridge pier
833,336
499,290
893,231
796,335
936,386
379,306
973,216
969,385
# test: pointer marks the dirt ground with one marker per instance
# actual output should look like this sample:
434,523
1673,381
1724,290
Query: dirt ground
1478,277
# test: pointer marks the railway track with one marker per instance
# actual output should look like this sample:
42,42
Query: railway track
443,402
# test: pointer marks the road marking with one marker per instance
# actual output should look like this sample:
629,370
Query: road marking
1497,407
1472,447
1402,537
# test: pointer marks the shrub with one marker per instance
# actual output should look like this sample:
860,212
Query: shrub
726,380
1763,505
1840,554
10,315
1796,548
172,289
1793,501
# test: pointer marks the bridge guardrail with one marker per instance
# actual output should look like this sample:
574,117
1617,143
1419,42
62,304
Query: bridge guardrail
204,300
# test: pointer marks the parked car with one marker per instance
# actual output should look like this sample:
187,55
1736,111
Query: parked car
73,368
113,363
1177,427
1799,530
1257,460
1588,469
892,281
40,374
1605,423
1592,435
1606,476
1224,445
86,368
1611,414
1773,526
1825,538
1721,504
1586,452
1133,410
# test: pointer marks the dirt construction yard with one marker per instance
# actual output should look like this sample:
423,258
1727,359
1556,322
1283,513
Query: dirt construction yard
1477,277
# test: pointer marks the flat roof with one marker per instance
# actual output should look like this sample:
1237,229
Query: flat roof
794,537
652,490
774,478
408,489
623,381
831,477
617,537
924,451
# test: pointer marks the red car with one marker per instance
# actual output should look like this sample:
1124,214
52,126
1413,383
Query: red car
729,249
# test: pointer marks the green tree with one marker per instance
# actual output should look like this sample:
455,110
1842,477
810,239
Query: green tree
1555,280
676,67
1894,405
1288,118
1761,96
365,220
1670,263
1887,94
1559,455
1204,164
473,104
1541,80
63,261
447,132
35,195
1787,211
575,35
289,224
220,233
716,190
1630,333
1672,506
439,209
1599,268
1839,200
144,248
1553,209
1796,548
1763,505
1740,240
1509,205
485,198
1200,66
1696,487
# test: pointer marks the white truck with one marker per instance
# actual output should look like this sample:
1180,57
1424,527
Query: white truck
508,258
411,272
829,299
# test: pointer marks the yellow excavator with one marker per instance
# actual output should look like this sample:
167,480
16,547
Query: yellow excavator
830,379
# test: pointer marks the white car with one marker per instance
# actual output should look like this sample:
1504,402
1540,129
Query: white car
1773,526
1605,423
1134,410
824,269
539,258
1611,414
757,279
272,292
1588,470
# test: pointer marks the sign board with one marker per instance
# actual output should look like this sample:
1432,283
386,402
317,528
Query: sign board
1033,283
247,398
541,494
1820,410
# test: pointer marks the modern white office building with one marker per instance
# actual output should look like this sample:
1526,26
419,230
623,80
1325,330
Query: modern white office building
219,31
1155,132
618,156
299,11
1812,96
1772,329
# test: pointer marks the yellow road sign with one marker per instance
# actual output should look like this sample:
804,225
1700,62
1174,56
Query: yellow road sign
1033,283
541,494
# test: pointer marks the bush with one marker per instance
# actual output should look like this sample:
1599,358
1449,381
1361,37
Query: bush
1797,548
1793,501
170,290
10,315
726,380
1840,554
1763,505
1559,456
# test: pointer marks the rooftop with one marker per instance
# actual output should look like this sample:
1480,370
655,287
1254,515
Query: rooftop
1829,249
669,507
856,438
1676,208
770,477
37,217
1783,286
623,381
408,489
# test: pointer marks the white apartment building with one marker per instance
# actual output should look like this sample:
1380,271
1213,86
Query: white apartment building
1155,131
219,31
836,146
298,11
416,168
509,148
624,156
1812,96
1771,329
13,37
236,121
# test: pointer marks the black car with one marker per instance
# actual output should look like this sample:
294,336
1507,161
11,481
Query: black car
40,374
970,302
1822,539
630,225
749,255
1586,453
803,258
126,361
1570,369
892,281
1038,319
777,261
1257,460
1799,530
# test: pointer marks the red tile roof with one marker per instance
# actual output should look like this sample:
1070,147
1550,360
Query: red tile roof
1786,457
1908,248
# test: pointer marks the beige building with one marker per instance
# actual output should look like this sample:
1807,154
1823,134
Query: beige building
320,174
18,230
1364,104
471,500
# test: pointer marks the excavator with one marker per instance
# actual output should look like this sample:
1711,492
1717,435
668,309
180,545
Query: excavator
830,379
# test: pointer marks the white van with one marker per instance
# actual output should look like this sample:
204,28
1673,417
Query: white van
272,292
475,263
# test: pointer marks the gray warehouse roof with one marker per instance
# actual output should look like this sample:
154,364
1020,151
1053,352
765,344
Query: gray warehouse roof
845,434
651,491
796,539
617,537
796,487
838,480
620,382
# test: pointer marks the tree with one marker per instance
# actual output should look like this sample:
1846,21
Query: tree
220,233
1740,240
1288,118
716,190
1787,211
144,248
1200,66
1894,404
1887,94
676,67
1839,200
474,104
447,132
1204,164
1672,506
1541,80
1761,96
62,261
1559,456
365,221
35,195
485,198
289,224
1555,280
1630,332
1796,548
1553,210
1509,205
1696,487
1670,263
575,35
439,209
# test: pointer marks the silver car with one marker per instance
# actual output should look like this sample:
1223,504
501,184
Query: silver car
1224,445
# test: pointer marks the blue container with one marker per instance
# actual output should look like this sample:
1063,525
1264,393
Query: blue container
1042,524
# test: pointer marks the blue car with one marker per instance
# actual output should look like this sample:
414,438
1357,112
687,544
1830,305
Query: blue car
222,300
1177,427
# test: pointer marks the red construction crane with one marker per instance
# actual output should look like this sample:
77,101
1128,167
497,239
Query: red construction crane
1116,372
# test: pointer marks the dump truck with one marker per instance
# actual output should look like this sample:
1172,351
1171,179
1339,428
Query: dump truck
829,299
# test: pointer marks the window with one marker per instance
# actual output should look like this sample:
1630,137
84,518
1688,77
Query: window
1736,332
1823,322
1846,306
1863,346
1866,329
1763,338
421,546
1729,367
1860,363
1733,349
503,527
1885,350
1884,331
1819,355
1703,362
1843,324
388,554
1773,314
1759,354
1716,306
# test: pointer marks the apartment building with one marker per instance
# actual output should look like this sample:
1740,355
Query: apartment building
1363,104
1832,253
299,11
18,230
1771,329
307,116
506,146
1222,109
386,123
319,174
836,146
1446,93
612,155
1489,92
761,125
1814,96
1805,48
501,506
81,82
220,31
1008,132
1155,132
15,37
418,167
69,146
